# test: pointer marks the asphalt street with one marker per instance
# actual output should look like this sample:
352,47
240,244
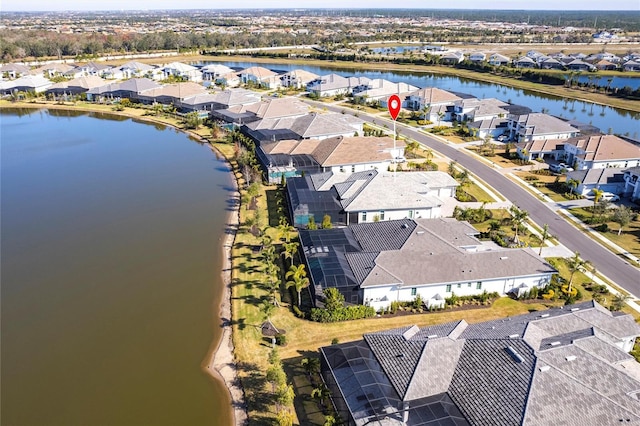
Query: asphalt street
613,266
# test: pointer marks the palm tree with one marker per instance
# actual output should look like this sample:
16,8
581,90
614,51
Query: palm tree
573,184
425,110
544,236
298,283
289,250
411,147
518,217
285,231
428,154
576,264
597,194
296,271
311,365
321,392
440,117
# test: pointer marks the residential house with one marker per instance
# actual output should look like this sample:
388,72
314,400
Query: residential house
213,73
53,70
528,127
260,76
498,60
380,90
477,57
567,365
334,84
12,71
134,69
91,68
605,65
308,126
608,180
631,65
451,58
525,62
397,260
490,127
171,94
132,89
541,148
338,154
601,151
439,103
474,109
181,71
631,178
551,64
76,86
27,83
372,195
297,79
579,65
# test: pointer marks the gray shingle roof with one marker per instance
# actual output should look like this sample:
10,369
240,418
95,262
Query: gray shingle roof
489,385
493,379
380,236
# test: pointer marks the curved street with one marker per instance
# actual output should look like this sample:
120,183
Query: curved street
611,265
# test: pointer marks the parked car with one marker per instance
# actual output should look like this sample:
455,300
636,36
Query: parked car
608,196
560,168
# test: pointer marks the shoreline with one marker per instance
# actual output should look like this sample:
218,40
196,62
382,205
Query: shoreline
219,362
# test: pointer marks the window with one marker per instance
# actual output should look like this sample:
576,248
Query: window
410,214
341,169
459,285
469,285
448,289
413,291
364,216
478,285
353,169
381,215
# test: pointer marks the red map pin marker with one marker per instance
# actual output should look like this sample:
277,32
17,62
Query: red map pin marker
394,106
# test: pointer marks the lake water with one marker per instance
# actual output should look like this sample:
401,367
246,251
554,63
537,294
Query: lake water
620,121
111,260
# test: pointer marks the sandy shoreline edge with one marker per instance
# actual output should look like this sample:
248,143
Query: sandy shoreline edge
220,362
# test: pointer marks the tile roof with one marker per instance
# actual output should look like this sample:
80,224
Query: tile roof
493,379
434,96
602,176
399,191
604,148
543,124
490,384
381,236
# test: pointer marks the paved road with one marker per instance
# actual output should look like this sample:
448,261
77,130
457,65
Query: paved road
611,265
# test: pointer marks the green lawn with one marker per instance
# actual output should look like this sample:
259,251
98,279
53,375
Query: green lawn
629,238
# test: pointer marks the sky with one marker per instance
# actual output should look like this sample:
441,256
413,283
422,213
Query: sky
49,5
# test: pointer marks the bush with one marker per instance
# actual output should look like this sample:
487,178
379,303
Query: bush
602,227
281,339
342,314
298,313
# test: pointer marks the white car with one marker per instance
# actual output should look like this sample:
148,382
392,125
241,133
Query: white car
608,196
560,168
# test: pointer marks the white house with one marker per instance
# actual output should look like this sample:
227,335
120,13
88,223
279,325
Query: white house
260,76
608,180
527,127
397,260
631,178
477,57
297,78
184,71
212,73
438,102
497,60
601,151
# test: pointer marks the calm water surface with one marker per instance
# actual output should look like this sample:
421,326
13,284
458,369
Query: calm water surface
110,273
